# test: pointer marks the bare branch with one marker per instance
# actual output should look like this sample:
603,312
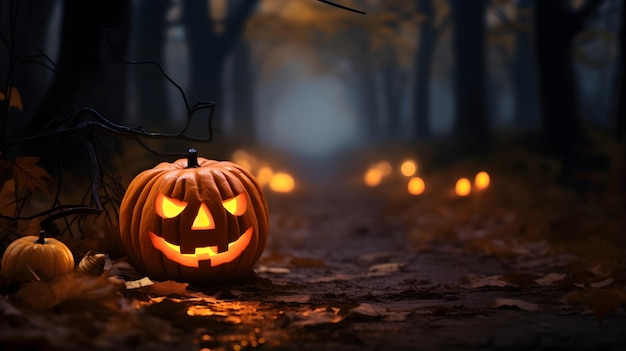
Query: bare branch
342,7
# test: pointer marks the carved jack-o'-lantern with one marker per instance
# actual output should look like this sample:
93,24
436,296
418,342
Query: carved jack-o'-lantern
194,220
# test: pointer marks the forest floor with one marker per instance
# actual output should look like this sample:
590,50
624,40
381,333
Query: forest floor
523,264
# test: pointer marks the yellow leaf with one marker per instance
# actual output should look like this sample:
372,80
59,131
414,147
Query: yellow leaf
28,175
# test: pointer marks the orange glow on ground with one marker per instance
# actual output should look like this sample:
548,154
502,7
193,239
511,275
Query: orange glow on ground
482,180
463,187
408,168
282,183
416,186
373,177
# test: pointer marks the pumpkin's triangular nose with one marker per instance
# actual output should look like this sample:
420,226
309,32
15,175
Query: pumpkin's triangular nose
204,219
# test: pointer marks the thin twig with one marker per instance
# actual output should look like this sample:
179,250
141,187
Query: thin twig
342,7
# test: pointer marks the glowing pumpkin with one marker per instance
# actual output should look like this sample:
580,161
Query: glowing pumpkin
194,220
36,258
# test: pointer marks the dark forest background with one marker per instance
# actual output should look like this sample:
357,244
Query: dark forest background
311,80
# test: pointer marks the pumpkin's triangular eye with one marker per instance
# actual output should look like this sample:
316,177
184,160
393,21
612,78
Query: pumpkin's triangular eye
237,205
168,207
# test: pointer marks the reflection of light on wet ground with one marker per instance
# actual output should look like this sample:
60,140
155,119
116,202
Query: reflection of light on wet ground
227,324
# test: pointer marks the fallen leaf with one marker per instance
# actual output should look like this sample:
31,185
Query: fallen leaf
28,175
385,268
601,301
271,270
481,282
522,305
602,284
42,296
550,279
166,288
373,311
317,316
139,283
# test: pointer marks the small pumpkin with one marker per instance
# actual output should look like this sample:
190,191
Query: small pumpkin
194,220
36,258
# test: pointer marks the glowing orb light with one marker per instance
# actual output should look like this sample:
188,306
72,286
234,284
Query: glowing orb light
463,187
282,183
408,168
416,186
482,180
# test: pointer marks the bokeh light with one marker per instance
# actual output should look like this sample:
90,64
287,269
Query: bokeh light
408,168
416,186
264,175
463,187
482,180
384,167
373,177
282,183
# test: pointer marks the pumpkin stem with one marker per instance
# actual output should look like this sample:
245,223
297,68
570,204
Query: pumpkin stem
192,158
42,237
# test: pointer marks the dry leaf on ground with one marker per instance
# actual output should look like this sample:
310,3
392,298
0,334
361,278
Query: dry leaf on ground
522,305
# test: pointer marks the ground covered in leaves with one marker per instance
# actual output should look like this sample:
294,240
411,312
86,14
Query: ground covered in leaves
524,264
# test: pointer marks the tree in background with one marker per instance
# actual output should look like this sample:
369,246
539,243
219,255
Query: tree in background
620,95
434,20
513,38
87,71
471,122
211,33
379,48
149,44
556,25
26,29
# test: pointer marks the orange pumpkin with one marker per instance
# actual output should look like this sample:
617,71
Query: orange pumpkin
194,220
31,258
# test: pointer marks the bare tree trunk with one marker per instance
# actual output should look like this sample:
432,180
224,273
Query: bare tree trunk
620,97
526,110
88,73
471,124
209,47
25,26
243,99
556,25
393,100
423,65
150,43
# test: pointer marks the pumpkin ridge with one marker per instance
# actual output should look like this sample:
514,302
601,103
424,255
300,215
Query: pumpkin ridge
227,191
244,260
262,220
137,216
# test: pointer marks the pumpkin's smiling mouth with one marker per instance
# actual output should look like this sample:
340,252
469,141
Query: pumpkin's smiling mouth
172,252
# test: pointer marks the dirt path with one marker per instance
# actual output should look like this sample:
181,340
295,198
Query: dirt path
373,270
